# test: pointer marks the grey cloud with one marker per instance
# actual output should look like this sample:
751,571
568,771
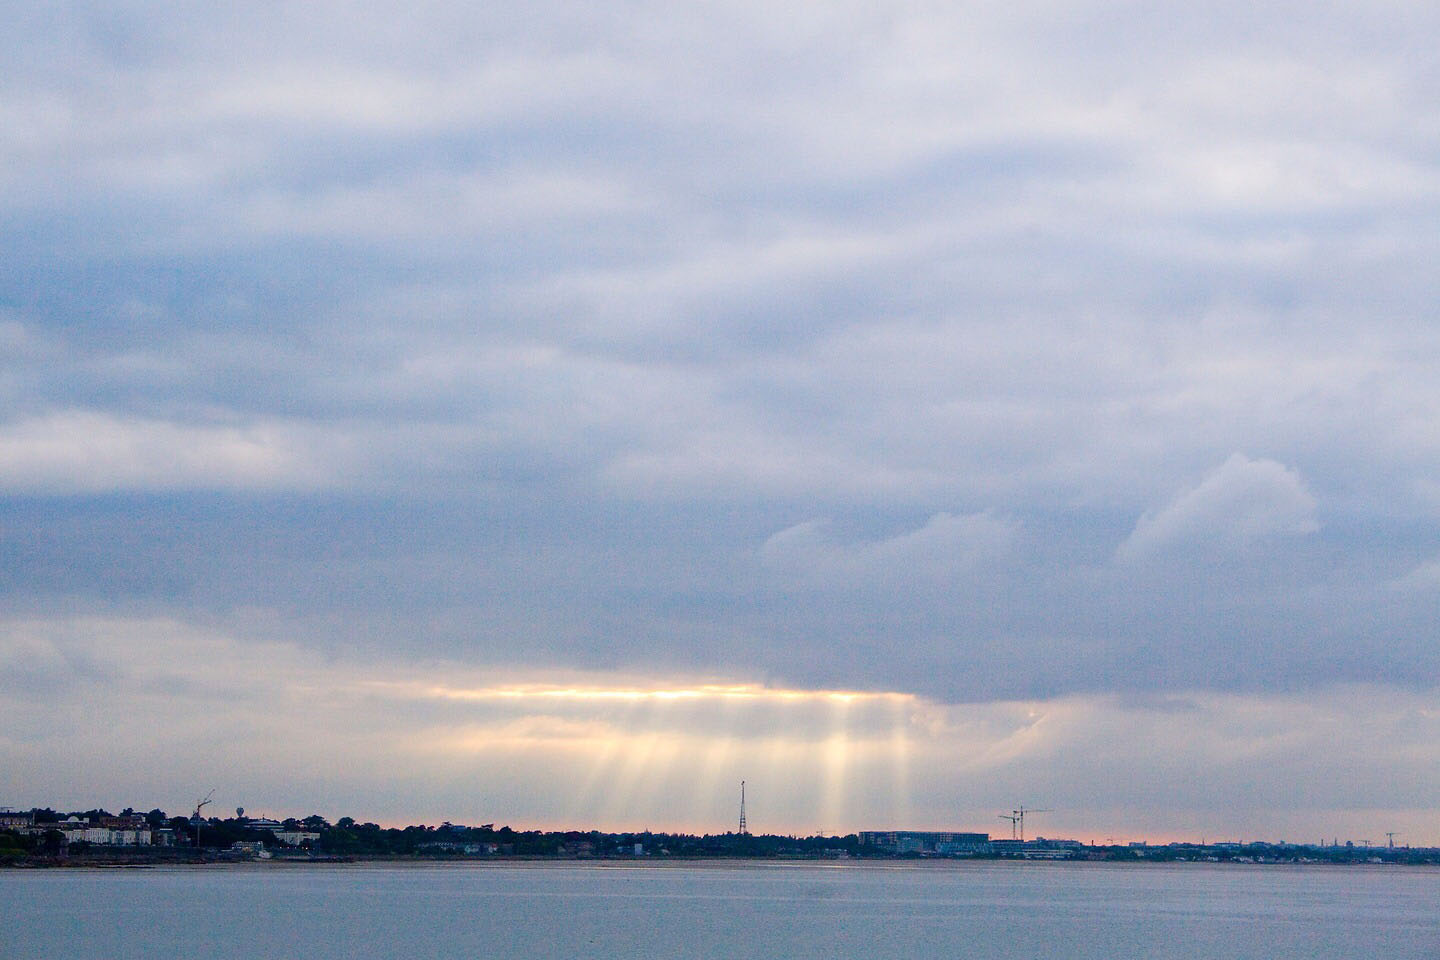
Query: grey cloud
1424,578
935,554
509,335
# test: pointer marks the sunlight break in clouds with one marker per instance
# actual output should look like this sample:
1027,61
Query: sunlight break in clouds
156,706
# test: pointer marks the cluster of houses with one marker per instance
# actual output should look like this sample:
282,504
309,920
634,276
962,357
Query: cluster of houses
927,843
132,830
123,831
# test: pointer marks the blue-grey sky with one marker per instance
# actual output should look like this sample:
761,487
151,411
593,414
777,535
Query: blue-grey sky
1063,377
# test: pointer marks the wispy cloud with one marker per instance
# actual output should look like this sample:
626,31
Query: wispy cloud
936,554
87,452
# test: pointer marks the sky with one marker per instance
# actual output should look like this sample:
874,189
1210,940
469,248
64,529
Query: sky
555,415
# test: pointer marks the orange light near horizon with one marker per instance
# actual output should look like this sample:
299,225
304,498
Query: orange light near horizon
835,764
900,750
634,693
630,745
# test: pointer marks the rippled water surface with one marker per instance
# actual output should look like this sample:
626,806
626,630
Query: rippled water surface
744,910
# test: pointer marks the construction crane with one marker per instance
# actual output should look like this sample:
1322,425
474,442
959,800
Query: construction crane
195,819
1017,821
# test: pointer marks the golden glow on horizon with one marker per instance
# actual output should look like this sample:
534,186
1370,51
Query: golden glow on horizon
836,764
900,749
709,691
625,746
613,747
469,741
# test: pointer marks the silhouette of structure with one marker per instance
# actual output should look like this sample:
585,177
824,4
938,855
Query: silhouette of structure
1017,821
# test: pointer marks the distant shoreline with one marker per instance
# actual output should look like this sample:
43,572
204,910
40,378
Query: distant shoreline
657,862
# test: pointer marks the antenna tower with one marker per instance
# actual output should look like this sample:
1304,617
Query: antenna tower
743,828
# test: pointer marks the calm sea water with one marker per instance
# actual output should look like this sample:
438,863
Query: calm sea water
739,911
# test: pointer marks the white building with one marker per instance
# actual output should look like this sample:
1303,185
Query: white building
129,835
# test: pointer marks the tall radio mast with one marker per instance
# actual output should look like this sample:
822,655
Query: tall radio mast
743,829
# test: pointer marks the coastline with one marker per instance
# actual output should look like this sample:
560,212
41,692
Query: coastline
938,864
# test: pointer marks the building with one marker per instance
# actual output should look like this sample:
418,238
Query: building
15,820
1038,849
296,838
927,842
291,838
109,832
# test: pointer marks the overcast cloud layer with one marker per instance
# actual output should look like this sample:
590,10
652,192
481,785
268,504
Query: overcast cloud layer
978,353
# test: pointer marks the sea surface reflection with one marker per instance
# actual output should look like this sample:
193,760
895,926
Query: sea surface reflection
740,910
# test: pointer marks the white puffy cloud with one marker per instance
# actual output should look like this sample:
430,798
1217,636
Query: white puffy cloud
1238,503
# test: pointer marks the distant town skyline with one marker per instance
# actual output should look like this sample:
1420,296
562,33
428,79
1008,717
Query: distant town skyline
560,414
46,837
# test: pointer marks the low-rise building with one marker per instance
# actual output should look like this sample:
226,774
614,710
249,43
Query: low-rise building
127,834
291,838
15,820
296,838
927,842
